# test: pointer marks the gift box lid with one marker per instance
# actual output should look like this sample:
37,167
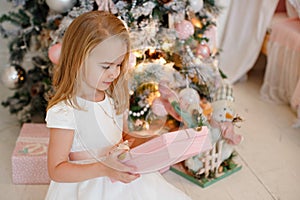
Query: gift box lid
167,149
34,130
32,141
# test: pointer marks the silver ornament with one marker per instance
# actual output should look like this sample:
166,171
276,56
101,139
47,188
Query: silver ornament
61,6
13,77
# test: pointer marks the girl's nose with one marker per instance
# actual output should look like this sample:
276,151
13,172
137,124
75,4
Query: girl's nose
114,72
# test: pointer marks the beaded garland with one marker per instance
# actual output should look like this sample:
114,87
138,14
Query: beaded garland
140,113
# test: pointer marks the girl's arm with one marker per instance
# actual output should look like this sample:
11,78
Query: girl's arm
61,170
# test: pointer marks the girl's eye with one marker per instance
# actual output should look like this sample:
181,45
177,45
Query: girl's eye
119,65
105,67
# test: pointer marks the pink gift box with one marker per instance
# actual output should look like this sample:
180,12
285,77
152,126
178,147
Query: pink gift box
168,149
29,158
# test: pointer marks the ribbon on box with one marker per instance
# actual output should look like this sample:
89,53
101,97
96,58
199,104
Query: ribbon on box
36,145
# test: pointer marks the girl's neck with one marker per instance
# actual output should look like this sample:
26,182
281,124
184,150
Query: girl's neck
96,96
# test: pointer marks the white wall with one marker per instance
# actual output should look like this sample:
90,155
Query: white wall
4,55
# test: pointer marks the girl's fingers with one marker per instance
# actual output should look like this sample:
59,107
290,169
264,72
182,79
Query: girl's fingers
127,177
113,162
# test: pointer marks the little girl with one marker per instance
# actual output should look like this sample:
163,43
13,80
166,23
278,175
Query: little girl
85,117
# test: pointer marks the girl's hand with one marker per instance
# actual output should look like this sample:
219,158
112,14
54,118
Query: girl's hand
124,177
112,160
117,171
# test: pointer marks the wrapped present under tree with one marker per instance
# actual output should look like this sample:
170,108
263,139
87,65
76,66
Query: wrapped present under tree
29,158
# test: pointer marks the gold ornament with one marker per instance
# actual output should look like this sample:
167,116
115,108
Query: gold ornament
151,89
177,60
196,22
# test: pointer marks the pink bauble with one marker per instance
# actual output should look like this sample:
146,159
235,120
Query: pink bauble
184,29
54,53
203,50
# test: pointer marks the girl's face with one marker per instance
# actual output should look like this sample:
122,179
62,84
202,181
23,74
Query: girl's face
103,65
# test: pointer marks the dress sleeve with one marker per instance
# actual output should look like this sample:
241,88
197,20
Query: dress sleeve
60,116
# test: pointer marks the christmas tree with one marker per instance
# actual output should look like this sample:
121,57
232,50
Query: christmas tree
38,27
173,52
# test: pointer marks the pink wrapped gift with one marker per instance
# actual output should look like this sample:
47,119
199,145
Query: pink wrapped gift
29,158
169,148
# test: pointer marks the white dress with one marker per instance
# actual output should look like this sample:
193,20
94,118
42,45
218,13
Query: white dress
97,127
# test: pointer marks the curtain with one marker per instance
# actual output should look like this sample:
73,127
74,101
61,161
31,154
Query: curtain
241,30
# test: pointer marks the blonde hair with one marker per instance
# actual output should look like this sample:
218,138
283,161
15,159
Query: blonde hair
81,37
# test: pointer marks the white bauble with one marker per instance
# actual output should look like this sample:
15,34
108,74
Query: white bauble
196,5
61,6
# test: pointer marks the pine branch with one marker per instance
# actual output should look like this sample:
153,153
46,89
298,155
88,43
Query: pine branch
24,17
8,18
18,49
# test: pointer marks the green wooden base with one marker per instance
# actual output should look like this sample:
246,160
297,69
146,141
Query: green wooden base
204,184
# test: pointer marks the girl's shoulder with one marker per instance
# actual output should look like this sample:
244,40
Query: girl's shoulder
60,115
61,106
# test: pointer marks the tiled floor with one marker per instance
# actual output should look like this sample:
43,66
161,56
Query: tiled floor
269,153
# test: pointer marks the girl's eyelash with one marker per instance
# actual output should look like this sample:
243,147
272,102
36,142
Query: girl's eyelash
107,67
